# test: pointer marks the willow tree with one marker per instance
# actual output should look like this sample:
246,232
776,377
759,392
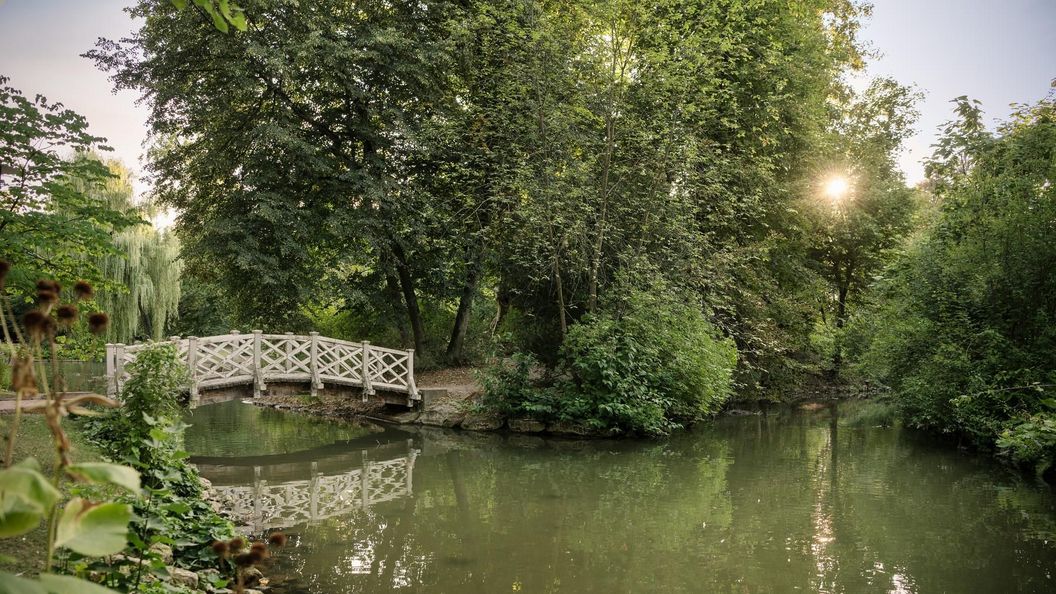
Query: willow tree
142,276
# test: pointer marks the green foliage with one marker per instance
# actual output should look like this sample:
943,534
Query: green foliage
142,276
152,400
654,366
510,390
50,225
962,328
148,434
408,160
1032,441
222,12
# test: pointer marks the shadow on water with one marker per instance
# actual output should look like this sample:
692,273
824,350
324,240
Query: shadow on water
825,500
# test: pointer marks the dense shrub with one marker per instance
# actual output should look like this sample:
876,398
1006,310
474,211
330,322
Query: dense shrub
652,367
649,366
964,329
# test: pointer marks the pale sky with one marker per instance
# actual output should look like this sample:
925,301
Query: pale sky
997,51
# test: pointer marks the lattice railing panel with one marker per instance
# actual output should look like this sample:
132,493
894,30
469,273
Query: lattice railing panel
224,359
338,359
285,356
388,367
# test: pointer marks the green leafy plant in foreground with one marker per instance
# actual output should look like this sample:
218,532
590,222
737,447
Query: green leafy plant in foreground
147,434
28,497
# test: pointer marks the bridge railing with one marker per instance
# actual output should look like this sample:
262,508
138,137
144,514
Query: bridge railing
257,358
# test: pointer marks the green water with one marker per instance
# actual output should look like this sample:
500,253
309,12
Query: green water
793,501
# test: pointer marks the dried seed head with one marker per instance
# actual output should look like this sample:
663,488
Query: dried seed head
37,324
22,376
97,322
259,548
48,285
256,555
220,548
236,544
83,290
244,560
278,539
47,297
66,314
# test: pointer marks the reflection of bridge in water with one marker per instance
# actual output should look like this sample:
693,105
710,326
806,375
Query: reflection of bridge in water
265,505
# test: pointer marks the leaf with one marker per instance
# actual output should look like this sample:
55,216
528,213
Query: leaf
18,585
66,584
104,472
18,521
219,22
93,529
239,21
25,497
179,4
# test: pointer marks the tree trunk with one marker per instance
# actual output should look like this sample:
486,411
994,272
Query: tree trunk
455,346
502,306
560,296
843,288
394,297
414,313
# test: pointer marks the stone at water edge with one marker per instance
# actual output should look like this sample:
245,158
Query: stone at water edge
251,576
162,550
443,413
183,576
571,429
482,422
527,426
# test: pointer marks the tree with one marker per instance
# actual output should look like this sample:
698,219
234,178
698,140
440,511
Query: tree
862,224
51,224
337,155
964,333
141,288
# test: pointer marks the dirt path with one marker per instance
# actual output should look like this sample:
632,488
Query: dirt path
458,381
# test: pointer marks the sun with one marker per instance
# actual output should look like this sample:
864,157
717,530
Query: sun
837,187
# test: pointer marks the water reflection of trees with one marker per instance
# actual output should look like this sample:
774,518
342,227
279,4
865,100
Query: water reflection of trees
760,504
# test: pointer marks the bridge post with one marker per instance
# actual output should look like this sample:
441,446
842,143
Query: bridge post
365,488
365,373
412,390
259,485
111,379
289,349
119,367
409,471
192,367
313,363
313,505
258,373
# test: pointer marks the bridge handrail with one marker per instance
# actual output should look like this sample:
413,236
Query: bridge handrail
256,358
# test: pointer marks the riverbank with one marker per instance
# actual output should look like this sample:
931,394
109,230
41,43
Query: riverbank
453,398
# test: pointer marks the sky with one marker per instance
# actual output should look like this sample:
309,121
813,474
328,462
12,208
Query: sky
997,51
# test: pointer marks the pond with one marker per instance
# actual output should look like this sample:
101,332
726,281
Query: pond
794,500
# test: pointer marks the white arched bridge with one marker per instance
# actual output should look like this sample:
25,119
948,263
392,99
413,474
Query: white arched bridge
257,359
